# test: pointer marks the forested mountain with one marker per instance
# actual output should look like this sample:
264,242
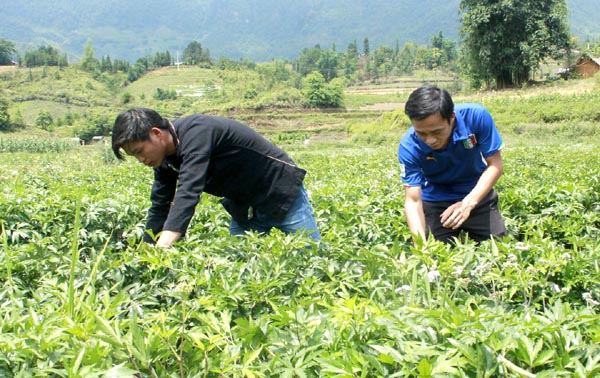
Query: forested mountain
255,29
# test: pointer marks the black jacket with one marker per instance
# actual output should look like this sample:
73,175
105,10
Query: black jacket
225,158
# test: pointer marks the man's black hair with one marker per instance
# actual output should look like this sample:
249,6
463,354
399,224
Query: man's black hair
134,125
428,100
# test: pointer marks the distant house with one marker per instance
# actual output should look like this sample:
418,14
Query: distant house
587,66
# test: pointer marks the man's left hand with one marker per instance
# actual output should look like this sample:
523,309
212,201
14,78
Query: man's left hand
457,214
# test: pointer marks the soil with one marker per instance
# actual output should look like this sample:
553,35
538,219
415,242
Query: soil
383,107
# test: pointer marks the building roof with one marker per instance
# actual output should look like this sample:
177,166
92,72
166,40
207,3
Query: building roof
590,58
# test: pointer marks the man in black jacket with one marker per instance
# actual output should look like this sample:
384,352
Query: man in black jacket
260,184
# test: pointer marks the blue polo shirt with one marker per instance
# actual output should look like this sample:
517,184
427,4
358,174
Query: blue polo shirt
451,173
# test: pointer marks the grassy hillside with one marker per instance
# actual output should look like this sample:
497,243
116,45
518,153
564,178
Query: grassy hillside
73,97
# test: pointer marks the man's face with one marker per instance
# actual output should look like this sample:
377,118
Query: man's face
149,152
434,130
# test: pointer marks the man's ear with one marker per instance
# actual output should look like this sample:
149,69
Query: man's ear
452,118
156,131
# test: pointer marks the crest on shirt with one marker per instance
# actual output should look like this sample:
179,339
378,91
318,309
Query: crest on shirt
470,142
430,157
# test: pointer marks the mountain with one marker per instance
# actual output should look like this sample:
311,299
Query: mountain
255,29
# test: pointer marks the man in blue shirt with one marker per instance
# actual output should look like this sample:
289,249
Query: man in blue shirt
450,160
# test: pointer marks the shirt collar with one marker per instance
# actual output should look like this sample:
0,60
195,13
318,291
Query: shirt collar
460,131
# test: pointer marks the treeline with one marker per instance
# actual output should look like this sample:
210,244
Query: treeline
365,64
501,47
355,64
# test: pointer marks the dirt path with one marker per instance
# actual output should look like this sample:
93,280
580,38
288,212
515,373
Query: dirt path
383,107
8,68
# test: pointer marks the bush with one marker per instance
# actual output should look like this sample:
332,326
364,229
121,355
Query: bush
94,125
44,120
322,94
165,94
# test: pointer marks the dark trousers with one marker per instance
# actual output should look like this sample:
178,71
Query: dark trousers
485,220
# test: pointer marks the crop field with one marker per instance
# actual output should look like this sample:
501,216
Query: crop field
82,296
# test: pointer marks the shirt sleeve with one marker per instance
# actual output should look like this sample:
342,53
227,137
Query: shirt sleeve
163,191
410,171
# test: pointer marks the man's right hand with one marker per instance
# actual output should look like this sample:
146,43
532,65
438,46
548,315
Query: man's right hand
167,239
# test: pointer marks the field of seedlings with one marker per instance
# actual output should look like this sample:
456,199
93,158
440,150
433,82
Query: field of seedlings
82,296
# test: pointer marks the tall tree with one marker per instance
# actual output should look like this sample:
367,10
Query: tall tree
194,55
307,62
350,60
366,48
7,50
504,41
88,62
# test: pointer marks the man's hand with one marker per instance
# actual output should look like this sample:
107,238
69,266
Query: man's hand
167,238
457,214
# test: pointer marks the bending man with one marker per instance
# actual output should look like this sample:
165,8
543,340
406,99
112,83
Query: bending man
260,184
450,161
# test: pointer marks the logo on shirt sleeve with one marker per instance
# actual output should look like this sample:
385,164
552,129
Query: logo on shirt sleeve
470,142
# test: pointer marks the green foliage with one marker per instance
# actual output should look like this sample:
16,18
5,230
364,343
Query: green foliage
524,114
126,98
36,144
93,124
504,42
88,62
45,56
324,61
5,123
83,296
322,94
44,121
195,55
165,94
7,51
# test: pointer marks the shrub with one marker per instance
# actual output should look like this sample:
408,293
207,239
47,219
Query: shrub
322,94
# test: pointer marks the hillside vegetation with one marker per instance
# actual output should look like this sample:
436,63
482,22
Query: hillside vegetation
77,100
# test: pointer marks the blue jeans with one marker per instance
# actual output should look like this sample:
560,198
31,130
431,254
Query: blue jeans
300,217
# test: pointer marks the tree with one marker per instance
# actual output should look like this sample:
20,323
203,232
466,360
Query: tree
45,56
307,61
350,60
406,58
316,59
7,50
194,55
366,48
44,120
89,63
327,64
383,59
446,47
505,41
93,125
322,94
